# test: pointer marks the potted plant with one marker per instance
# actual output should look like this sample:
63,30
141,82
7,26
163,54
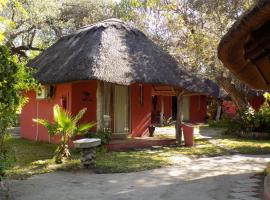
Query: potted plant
151,129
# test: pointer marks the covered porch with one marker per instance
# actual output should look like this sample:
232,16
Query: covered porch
126,112
164,136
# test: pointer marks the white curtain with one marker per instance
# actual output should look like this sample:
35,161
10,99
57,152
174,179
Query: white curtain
121,109
185,107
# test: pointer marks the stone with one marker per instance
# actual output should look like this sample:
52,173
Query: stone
88,150
88,157
87,143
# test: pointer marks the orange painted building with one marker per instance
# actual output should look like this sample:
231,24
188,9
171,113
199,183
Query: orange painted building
113,70
194,108
255,102
198,109
83,95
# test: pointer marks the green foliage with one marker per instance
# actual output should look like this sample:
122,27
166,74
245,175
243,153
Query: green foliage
7,157
5,22
249,120
104,136
66,126
14,78
223,123
37,24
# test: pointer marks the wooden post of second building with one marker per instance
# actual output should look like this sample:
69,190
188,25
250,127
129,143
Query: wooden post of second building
100,107
178,124
162,111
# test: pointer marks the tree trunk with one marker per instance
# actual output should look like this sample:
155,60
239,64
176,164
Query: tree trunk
178,124
62,150
219,109
238,97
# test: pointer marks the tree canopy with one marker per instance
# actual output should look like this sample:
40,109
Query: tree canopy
188,29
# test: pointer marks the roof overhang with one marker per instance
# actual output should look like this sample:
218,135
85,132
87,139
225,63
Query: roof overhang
162,90
245,49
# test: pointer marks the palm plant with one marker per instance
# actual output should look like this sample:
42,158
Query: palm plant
66,126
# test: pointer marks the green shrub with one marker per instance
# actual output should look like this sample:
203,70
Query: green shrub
223,123
14,78
104,136
7,158
249,120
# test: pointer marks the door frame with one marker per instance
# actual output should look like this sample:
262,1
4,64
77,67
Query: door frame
113,109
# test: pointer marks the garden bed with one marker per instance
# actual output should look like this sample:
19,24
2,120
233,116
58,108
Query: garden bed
254,135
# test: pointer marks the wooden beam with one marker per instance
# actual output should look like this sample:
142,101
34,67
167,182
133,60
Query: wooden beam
162,111
258,50
193,94
163,93
258,35
256,64
163,90
100,107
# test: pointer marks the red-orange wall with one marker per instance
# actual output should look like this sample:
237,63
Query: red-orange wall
229,108
256,102
198,109
41,109
76,98
140,114
80,100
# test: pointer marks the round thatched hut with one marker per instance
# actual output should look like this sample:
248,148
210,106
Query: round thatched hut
112,69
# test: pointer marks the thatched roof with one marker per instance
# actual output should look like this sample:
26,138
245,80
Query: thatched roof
115,52
216,91
245,48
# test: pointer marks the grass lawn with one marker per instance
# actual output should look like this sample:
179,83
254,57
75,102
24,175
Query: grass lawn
155,157
245,146
36,158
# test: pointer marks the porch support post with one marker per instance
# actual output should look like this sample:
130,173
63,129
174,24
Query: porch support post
100,107
178,124
218,110
162,111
